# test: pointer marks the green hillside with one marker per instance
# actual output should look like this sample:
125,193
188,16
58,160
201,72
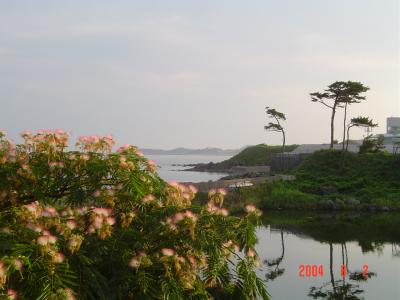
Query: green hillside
366,176
330,180
250,156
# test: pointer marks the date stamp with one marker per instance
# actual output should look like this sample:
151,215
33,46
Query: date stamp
318,271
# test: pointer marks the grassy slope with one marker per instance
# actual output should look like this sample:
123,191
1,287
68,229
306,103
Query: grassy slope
369,178
366,176
251,156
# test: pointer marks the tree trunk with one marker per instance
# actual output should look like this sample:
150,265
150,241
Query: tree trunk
348,137
283,149
331,267
344,125
333,123
283,245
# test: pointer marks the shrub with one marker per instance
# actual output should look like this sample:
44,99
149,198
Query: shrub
96,224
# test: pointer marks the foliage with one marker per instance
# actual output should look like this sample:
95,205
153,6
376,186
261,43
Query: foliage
250,156
98,224
359,122
277,126
373,179
372,144
340,93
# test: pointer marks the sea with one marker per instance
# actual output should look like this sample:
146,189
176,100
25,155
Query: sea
170,167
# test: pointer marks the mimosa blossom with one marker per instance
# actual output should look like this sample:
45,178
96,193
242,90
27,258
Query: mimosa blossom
58,258
18,264
12,295
71,224
96,206
167,252
44,240
250,253
3,273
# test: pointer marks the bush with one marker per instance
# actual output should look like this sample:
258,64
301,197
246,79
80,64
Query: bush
98,224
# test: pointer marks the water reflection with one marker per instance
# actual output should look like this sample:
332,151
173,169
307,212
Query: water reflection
273,264
340,289
373,235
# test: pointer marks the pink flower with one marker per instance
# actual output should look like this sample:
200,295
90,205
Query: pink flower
26,133
211,192
110,221
193,189
250,253
59,131
250,208
52,239
134,262
148,198
97,222
222,191
167,251
18,264
58,258
123,148
43,240
224,212
178,217
173,183
13,295
191,215
71,224
83,139
95,138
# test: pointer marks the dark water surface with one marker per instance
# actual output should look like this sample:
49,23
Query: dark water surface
289,242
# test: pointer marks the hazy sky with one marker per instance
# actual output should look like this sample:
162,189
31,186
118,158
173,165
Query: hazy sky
164,74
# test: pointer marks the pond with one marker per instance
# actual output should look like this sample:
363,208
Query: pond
342,256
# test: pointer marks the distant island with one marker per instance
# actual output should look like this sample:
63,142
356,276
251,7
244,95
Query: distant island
186,151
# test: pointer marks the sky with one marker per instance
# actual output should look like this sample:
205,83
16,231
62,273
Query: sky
165,74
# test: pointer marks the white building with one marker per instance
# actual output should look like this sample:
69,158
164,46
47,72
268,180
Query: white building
391,139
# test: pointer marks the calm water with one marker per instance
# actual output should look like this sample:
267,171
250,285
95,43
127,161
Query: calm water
283,249
173,173
289,240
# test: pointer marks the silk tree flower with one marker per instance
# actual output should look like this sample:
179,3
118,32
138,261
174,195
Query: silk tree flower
250,208
192,189
26,134
134,262
250,253
58,257
124,148
148,199
12,295
18,264
74,243
211,192
71,224
167,252
221,191
110,221
3,273
44,240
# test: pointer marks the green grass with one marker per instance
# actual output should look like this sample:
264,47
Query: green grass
251,156
372,179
